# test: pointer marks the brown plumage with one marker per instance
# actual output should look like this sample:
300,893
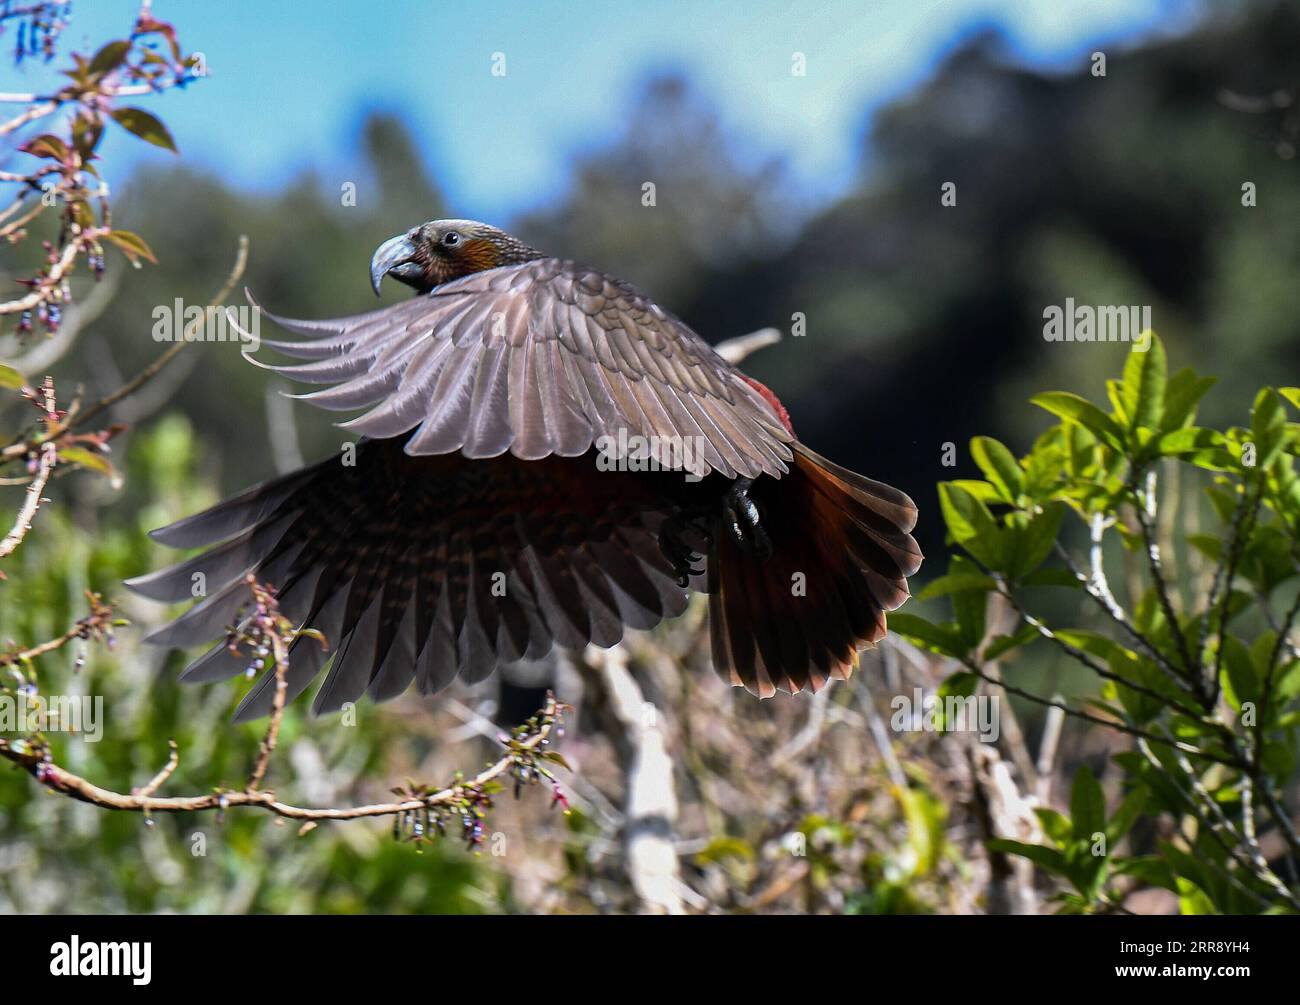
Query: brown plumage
478,525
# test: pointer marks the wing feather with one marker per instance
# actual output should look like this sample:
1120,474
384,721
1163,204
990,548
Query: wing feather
538,359
397,561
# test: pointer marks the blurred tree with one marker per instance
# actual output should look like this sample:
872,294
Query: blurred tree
712,211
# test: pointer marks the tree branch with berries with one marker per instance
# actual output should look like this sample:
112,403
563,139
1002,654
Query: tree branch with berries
266,637
59,185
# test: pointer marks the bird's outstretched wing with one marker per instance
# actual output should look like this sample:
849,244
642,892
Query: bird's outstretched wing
538,359
421,568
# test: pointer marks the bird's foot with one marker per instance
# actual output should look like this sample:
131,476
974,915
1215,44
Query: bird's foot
745,521
680,553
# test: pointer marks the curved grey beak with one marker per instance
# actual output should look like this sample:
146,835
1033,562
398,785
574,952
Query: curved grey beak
396,257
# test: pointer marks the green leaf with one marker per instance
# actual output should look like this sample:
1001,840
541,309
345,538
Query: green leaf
1087,804
132,245
1080,448
1286,682
956,583
1150,869
1208,545
1005,643
924,816
1092,642
981,490
1224,502
1048,858
89,459
86,133
47,146
721,848
961,684
1115,395
999,466
1055,825
971,524
1280,757
1188,439
110,56
1291,394
1129,810
1076,409
1193,878
144,124
11,379
969,607
1143,391
1052,577
926,634
1182,394
1238,678
1267,426
1034,542
1192,899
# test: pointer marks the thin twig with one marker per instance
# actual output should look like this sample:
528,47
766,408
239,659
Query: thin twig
152,370
1097,586
1258,868
155,783
1097,719
1266,692
267,747
33,113
67,256
97,622
1079,656
61,780
1147,510
1242,524
48,457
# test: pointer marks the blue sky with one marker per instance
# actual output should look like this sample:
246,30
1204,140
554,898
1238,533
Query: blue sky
290,82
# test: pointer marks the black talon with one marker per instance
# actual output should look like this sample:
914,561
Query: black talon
745,520
681,533
672,542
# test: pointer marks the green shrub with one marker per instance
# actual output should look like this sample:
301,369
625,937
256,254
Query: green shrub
1197,667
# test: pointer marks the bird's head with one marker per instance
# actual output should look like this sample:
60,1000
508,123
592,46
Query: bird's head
442,250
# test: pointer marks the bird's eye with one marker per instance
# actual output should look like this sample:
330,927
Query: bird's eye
451,239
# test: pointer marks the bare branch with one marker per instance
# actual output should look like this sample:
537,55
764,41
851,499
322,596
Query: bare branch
733,350
1147,510
48,457
97,624
33,759
152,370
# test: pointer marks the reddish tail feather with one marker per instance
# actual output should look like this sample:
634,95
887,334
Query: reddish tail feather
842,553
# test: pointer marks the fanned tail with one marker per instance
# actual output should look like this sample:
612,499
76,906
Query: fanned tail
842,552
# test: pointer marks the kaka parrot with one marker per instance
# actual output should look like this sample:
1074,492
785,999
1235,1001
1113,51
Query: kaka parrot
546,457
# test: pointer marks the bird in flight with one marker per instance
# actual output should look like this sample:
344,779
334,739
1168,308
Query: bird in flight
546,457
